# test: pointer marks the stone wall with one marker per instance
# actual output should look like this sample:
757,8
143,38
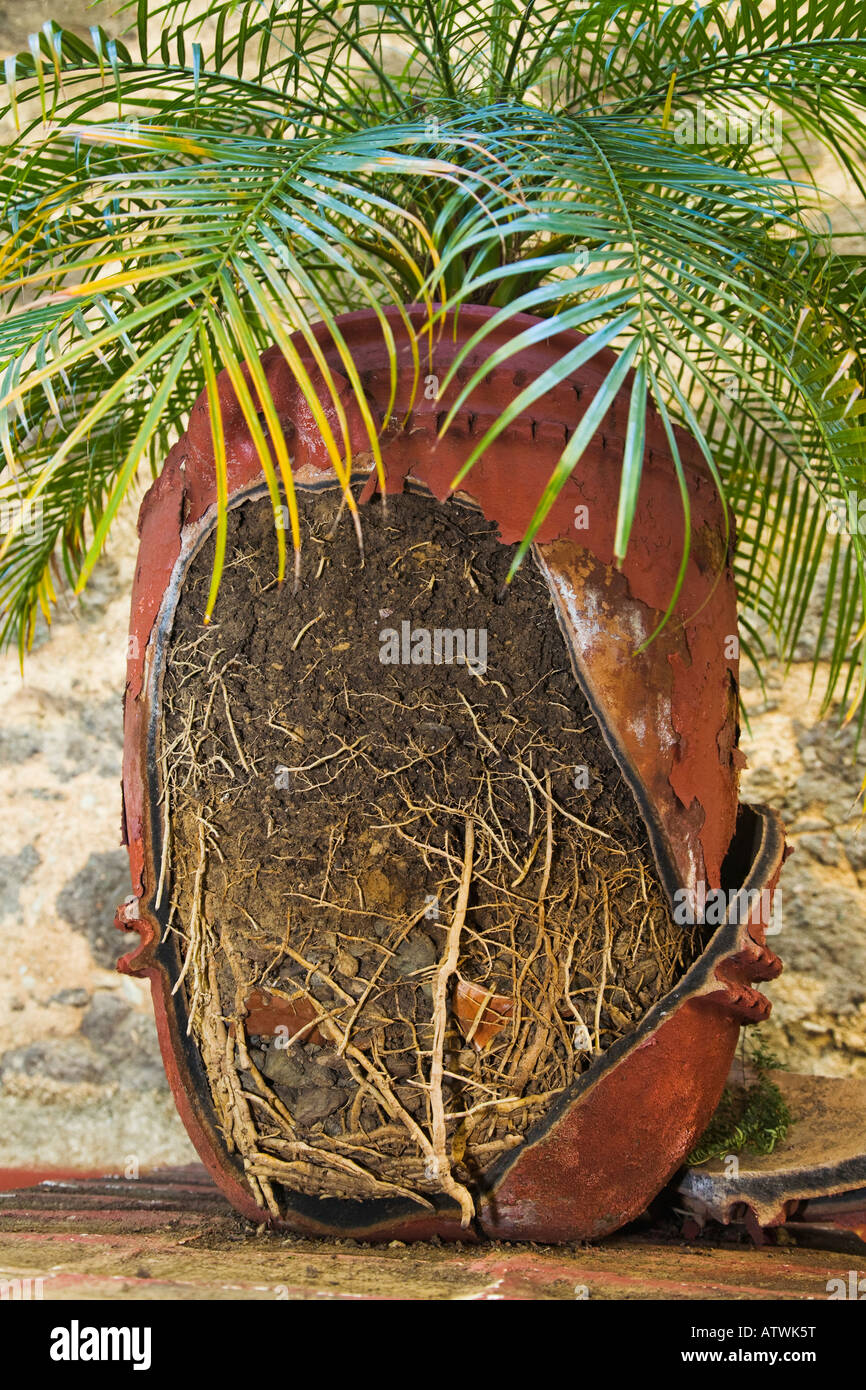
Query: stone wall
808,768
81,1081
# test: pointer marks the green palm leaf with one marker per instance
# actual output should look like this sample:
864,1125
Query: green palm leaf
170,209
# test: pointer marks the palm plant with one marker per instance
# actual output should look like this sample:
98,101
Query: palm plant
170,210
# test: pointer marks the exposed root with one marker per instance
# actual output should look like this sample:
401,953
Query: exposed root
444,975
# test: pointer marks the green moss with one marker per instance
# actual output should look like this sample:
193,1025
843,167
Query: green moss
748,1117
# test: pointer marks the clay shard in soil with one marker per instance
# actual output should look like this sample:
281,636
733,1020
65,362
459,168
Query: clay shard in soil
411,899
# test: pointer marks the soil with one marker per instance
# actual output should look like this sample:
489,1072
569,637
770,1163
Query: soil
413,899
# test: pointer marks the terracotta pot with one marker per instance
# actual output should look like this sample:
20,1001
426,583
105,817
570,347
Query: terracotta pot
614,1137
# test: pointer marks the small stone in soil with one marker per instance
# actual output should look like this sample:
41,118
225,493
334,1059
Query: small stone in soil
346,964
284,1066
317,1103
417,952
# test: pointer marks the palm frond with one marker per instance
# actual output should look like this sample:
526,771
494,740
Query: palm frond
172,208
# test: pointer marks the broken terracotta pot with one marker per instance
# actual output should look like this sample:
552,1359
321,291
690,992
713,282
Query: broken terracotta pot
611,1140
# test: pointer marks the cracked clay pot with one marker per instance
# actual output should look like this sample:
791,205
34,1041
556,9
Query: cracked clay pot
588,1157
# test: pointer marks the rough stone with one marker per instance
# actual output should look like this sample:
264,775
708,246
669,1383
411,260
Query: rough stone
347,964
417,952
104,1018
88,902
855,847
16,745
315,1103
825,848
71,998
15,869
60,1059
284,1066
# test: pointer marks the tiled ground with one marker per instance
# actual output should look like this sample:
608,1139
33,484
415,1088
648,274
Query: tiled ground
170,1235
